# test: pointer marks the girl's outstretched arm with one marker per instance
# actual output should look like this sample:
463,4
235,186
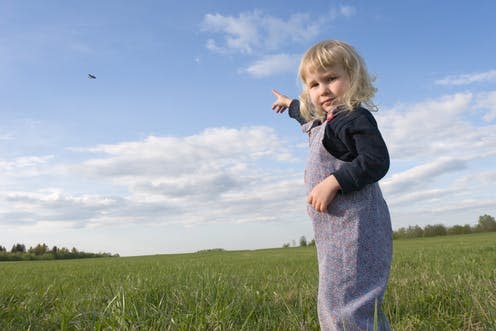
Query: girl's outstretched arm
293,105
282,102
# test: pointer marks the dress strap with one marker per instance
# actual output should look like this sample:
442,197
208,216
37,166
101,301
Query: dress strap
308,126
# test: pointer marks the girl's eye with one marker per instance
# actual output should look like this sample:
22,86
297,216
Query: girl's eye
330,79
312,85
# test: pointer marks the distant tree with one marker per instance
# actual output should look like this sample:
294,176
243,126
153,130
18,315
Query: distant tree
486,223
63,253
467,229
414,232
208,250
286,245
42,252
459,229
312,242
18,248
303,241
434,230
40,249
399,234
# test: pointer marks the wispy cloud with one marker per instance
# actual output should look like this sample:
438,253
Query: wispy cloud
466,79
442,129
417,197
476,204
200,166
487,101
347,11
23,167
241,33
417,176
437,127
261,35
273,64
438,143
23,162
6,136
257,31
250,175
185,180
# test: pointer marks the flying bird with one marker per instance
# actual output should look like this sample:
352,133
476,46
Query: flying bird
90,76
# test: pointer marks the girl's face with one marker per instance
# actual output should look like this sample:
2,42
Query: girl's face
327,87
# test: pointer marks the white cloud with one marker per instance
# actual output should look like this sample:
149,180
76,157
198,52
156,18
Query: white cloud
434,186
410,197
486,176
218,175
441,127
466,79
298,28
419,175
440,149
273,64
464,205
241,32
56,205
24,162
445,153
347,11
24,166
487,101
6,136
255,31
213,162
213,148
258,34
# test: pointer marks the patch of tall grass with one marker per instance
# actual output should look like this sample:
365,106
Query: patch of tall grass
445,283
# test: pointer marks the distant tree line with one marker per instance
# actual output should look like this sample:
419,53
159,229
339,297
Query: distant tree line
303,243
211,250
18,252
486,223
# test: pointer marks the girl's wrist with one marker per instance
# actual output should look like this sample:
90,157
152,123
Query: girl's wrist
333,183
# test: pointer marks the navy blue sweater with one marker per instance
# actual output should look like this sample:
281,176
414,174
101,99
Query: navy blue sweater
353,136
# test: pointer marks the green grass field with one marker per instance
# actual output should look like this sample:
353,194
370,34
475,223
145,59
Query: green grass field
443,283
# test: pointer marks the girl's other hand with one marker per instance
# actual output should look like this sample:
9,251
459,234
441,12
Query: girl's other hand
323,193
282,102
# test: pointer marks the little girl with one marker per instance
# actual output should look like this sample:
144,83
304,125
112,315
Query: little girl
347,158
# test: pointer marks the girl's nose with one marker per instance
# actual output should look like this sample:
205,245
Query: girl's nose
324,89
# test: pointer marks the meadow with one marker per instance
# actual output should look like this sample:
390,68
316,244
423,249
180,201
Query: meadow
440,283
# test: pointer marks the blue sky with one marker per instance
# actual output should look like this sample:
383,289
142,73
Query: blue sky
174,147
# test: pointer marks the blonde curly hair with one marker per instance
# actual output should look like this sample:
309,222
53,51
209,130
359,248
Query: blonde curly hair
329,53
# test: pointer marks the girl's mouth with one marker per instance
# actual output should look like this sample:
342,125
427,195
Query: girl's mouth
327,102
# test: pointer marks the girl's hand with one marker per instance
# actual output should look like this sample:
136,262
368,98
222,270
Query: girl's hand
282,103
323,193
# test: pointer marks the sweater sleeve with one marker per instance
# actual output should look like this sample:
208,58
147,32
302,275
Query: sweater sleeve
372,160
294,111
